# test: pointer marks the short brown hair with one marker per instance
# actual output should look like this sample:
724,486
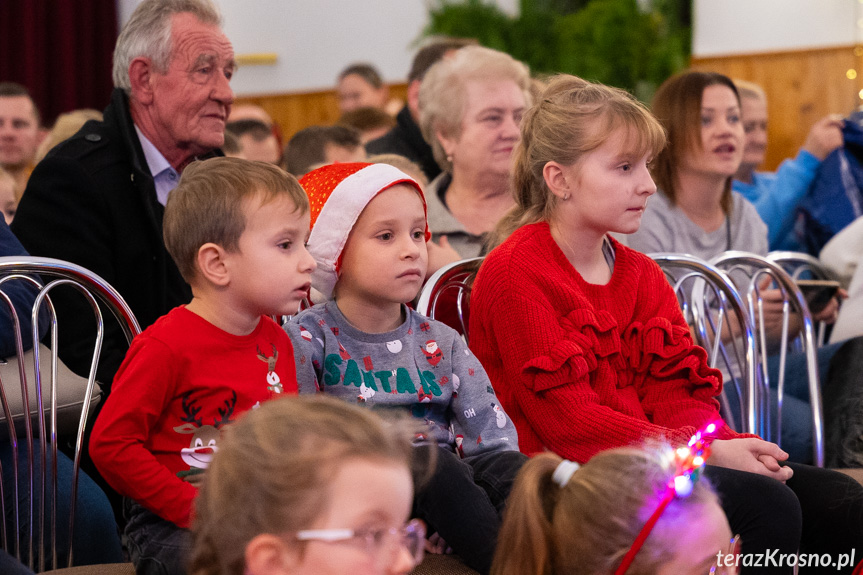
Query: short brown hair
367,118
308,147
433,53
677,105
365,71
404,164
13,90
272,471
207,205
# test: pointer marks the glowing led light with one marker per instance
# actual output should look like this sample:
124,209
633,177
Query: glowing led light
682,485
851,73
698,461
712,427
860,93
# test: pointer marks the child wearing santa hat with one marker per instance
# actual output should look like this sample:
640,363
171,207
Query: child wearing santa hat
367,346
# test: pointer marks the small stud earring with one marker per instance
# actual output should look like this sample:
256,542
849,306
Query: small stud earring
565,197
449,158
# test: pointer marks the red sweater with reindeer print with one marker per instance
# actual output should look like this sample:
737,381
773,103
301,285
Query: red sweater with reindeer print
182,380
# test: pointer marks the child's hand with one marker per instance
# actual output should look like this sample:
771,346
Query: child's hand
436,545
751,454
194,476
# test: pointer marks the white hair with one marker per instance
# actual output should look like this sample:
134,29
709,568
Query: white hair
148,34
443,91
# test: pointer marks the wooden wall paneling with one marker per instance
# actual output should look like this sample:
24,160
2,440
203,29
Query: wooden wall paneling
295,111
801,87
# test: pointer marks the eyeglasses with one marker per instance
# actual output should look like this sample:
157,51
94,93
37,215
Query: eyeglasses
383,543
727,563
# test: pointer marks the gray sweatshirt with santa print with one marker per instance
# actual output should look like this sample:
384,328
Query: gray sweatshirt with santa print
422,367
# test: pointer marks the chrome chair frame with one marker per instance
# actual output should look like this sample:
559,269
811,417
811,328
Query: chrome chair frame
795,263
88,283
798,263
707,281
450,276
756,268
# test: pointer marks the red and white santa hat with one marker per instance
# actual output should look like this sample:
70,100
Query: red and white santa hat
338,193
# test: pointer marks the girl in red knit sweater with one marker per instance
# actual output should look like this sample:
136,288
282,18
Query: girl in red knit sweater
584,340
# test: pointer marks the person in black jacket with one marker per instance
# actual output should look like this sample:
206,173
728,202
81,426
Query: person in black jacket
406,138
98,199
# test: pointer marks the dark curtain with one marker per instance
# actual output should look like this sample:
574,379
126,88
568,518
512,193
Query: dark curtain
60,50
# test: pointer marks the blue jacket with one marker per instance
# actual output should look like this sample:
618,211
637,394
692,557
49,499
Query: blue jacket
777,195
21,294
836,197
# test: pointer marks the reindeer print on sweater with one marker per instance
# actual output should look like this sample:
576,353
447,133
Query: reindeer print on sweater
183,381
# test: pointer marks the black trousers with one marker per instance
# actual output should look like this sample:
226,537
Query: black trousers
817,511
463,499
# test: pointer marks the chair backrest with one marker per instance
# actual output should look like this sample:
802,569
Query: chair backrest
712,307
801,265
749,271
446,295
36,385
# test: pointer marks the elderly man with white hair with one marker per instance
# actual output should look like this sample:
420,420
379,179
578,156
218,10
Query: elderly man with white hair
98,198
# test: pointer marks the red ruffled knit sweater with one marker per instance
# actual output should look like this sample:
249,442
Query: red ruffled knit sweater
579,367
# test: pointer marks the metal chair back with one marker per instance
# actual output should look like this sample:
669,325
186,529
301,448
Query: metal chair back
800,265
749,272
712,307
45,275
446,295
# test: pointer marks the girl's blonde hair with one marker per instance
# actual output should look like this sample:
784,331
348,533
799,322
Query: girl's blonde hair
588,525
572,118
272,469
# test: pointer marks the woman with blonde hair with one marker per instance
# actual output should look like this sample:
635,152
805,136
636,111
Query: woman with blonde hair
584,340
308,485
471,106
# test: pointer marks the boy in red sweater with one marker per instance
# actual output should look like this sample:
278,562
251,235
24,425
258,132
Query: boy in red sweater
237,231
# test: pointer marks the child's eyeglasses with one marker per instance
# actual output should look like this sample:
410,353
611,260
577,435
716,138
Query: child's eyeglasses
384,543
728,561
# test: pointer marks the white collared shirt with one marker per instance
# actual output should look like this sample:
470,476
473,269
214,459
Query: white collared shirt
164,175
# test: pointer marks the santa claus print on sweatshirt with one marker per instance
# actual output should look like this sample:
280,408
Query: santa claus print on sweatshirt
423,367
